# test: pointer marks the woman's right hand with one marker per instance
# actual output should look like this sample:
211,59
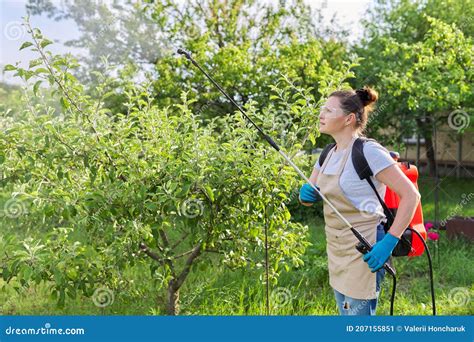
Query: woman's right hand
308,195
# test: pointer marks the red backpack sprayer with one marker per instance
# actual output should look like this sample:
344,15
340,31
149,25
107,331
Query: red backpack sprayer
409,244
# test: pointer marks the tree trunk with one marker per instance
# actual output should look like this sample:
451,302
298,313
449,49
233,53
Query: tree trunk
459,157
172,307
430,155
176,282
426,130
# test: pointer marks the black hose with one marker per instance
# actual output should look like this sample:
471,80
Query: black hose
392,297
428,254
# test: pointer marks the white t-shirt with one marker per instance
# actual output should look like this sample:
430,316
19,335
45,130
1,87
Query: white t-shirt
356,190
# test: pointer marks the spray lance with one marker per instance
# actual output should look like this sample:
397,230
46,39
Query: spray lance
363,246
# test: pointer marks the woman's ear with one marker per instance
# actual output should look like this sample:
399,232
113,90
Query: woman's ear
349,119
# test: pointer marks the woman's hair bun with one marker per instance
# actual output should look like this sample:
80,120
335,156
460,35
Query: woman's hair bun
367,95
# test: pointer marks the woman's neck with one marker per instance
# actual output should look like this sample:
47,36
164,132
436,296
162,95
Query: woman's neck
343,139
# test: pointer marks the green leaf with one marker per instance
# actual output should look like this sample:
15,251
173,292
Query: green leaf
28,74
301,102
151,206
35,62
45,42
9,67
36,87
58,276
72,273
71,292
64,103
41,71
209,192
5,273
37,33
25,45
60,173
62,298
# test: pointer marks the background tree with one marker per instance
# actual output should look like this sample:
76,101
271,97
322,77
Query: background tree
418,55
246,45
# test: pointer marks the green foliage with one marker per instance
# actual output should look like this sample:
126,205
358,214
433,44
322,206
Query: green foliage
107,191
418,55
246,45
435,72
150,168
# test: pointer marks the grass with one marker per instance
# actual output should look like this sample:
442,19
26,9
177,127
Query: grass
451,194
216,290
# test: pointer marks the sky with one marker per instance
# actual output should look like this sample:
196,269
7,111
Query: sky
13,33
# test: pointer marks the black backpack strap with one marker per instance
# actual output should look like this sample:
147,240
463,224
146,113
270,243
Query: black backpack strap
324,153
363,170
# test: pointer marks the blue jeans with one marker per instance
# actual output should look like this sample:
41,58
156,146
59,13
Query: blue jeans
353,306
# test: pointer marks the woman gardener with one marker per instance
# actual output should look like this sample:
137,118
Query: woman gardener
356,278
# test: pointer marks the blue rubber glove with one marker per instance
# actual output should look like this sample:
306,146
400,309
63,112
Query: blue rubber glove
380,252
308,195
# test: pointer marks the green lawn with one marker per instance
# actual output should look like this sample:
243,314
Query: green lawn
451,192
215,290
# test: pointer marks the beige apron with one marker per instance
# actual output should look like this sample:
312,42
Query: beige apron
349,274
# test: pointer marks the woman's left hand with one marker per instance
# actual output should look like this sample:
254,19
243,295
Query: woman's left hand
380,252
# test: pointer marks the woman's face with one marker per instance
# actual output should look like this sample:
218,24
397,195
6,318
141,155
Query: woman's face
331,117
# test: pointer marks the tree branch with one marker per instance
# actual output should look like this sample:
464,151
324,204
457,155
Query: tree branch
164,237
157,258
180,240
196,251
66,93
144,248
